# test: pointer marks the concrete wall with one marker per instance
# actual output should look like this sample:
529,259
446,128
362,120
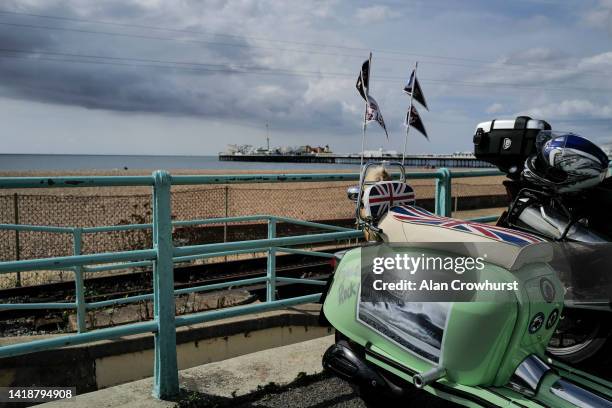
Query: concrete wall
122,368
107,363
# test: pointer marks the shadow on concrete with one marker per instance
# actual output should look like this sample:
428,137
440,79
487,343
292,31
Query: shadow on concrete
316,391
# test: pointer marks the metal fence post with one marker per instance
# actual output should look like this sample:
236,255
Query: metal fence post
271,270
456,205
166,383
226,213
17,244
79,285
443,193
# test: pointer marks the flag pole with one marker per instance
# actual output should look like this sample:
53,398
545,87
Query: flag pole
416,65
361,175
363,128
363,136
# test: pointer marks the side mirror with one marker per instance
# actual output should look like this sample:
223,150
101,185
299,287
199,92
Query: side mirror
353,193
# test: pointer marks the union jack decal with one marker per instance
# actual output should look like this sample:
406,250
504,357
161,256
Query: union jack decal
384,195
420,216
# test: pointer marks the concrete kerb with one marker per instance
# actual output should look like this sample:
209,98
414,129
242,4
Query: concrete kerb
229,378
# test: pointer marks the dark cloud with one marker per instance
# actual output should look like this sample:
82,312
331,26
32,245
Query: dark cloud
220,90
29,40
303,104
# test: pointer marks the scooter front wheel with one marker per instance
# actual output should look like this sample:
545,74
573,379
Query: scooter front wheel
580,335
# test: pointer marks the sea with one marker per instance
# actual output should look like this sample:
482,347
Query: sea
41,162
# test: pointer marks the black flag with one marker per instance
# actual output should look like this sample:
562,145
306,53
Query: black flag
413,87
416,122
363,80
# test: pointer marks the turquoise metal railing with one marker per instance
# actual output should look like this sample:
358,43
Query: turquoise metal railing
164,254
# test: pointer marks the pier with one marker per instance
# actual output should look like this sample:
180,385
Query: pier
429,161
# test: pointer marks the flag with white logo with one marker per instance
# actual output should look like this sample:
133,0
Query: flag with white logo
373,114
414,119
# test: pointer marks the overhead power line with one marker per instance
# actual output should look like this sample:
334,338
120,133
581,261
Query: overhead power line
181,30
488,64
51,56
246,37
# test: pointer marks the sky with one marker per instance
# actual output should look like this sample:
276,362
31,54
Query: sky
191,76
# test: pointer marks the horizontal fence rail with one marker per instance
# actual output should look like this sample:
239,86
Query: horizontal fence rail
163,254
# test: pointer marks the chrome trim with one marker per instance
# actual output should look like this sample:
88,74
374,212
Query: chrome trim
554,218
532,218
553,224
352,193
578,396
529,374
426,378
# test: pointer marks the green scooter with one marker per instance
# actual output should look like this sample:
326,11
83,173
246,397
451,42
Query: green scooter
487,349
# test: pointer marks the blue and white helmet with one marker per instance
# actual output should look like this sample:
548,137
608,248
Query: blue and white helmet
565,163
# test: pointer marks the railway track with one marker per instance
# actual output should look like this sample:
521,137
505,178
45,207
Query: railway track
137,283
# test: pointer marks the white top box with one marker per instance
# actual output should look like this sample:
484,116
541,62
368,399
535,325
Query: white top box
509,124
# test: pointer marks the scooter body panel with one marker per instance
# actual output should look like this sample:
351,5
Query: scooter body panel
484,340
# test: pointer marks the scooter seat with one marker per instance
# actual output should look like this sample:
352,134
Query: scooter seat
380,197
504,247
